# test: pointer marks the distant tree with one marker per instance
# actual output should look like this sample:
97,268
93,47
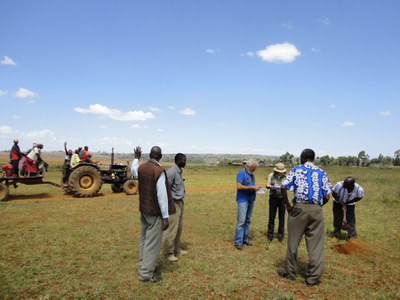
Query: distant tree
363,159
326,160
287,159
396,160
224,162
382,160
346,161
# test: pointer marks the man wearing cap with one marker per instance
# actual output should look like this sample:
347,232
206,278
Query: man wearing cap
274,182
311,188
15,156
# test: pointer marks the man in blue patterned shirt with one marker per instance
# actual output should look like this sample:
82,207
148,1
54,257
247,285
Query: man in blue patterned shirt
311,188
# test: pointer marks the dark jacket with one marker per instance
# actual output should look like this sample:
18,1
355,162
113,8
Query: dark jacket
148,175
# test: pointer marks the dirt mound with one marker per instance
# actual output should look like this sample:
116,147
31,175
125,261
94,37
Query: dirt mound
353,246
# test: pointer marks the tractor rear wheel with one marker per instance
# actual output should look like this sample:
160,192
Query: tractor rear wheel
3,192
131,187
85,181
117,188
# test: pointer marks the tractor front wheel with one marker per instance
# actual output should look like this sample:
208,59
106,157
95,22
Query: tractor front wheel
131,187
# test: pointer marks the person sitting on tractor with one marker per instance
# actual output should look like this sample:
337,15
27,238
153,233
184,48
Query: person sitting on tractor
7,168
75,159
89,159
83,154
33,158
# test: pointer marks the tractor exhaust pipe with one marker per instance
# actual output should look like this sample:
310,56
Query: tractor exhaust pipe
112,156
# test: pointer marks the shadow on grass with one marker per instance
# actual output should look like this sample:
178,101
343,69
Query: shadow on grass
99,195
301,267
29,197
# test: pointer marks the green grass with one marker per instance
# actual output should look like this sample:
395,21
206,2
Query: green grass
53,246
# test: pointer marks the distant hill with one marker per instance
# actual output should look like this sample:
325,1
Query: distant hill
192,158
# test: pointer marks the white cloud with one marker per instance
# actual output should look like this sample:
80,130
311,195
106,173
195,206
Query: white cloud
103,126
188,112
325,21
6,130
315,50
248,53
213,51
160,130
2,93
284,53
138,126
115,114
8,61
347,124
288,25
154,109
25,93
40,134
385,113
333,106
110,142
171,107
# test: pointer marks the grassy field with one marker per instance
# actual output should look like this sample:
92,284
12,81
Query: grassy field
54,246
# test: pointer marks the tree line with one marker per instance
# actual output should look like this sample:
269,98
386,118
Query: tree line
361,160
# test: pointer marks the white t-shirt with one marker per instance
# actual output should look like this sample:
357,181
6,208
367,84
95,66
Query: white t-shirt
34,153
345,196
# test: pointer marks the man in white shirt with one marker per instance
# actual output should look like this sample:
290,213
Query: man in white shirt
155,206
345,194
137,153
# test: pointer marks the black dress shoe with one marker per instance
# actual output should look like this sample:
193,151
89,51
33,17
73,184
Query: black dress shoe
239,247
312,283
153,278
285,274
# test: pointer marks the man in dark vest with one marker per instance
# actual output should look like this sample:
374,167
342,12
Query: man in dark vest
155,205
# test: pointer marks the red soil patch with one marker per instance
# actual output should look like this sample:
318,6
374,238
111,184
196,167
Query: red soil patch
353,246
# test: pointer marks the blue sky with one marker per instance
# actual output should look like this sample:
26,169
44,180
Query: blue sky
246,77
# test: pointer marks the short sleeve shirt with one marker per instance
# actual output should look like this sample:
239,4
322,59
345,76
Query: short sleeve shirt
34,153
309,184
246,179
175,179
345,196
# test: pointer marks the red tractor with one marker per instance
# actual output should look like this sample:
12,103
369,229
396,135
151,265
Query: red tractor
86,179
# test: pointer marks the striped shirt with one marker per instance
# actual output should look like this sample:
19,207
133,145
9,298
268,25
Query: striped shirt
345,196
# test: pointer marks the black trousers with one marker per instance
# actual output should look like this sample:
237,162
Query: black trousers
338,219
276,204
14,169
